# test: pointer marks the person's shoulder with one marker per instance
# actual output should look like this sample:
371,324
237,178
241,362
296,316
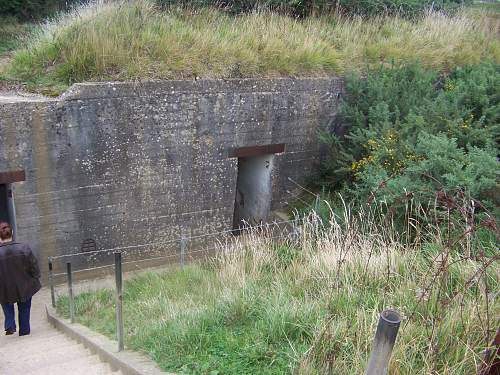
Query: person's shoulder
16,247
21,247
25,247
7,245
9,248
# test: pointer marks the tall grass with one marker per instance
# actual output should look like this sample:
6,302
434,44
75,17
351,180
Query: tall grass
121,40
310,304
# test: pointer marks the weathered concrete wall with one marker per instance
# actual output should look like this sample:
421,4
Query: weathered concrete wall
127,163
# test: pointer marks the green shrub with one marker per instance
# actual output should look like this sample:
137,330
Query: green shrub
413,133
301,8
38,9
404,7
32,9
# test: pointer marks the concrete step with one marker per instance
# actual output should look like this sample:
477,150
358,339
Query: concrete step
39,335
97,369
24,345
89,365
52,353
47,351
66,353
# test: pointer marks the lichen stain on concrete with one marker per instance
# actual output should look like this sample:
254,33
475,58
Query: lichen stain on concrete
43,181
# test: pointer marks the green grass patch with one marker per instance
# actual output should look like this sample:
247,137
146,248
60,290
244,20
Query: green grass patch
294,309
137,40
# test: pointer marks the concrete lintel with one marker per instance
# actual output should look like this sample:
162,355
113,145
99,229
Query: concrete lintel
12,176
257,150
128,362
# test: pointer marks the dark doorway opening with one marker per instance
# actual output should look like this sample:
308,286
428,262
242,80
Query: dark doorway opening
253,191
7,207
4,211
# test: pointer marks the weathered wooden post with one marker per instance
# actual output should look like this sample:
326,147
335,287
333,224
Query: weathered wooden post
383,343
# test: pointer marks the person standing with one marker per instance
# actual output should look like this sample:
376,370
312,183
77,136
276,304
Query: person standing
19,281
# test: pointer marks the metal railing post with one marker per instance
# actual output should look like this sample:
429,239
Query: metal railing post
51,284
316,205
119,300
182,251
491,360
383,343
70,293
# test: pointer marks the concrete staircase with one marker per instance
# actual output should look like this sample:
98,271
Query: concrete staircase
47,351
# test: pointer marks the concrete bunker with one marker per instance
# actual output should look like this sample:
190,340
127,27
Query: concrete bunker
127,163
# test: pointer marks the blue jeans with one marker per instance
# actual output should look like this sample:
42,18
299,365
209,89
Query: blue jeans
23,309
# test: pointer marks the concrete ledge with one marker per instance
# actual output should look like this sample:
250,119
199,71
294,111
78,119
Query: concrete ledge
148,88
129,363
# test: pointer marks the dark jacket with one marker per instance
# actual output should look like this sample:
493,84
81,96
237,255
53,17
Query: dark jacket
19,273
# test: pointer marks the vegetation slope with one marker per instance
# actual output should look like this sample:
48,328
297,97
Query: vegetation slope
124,40
309,304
